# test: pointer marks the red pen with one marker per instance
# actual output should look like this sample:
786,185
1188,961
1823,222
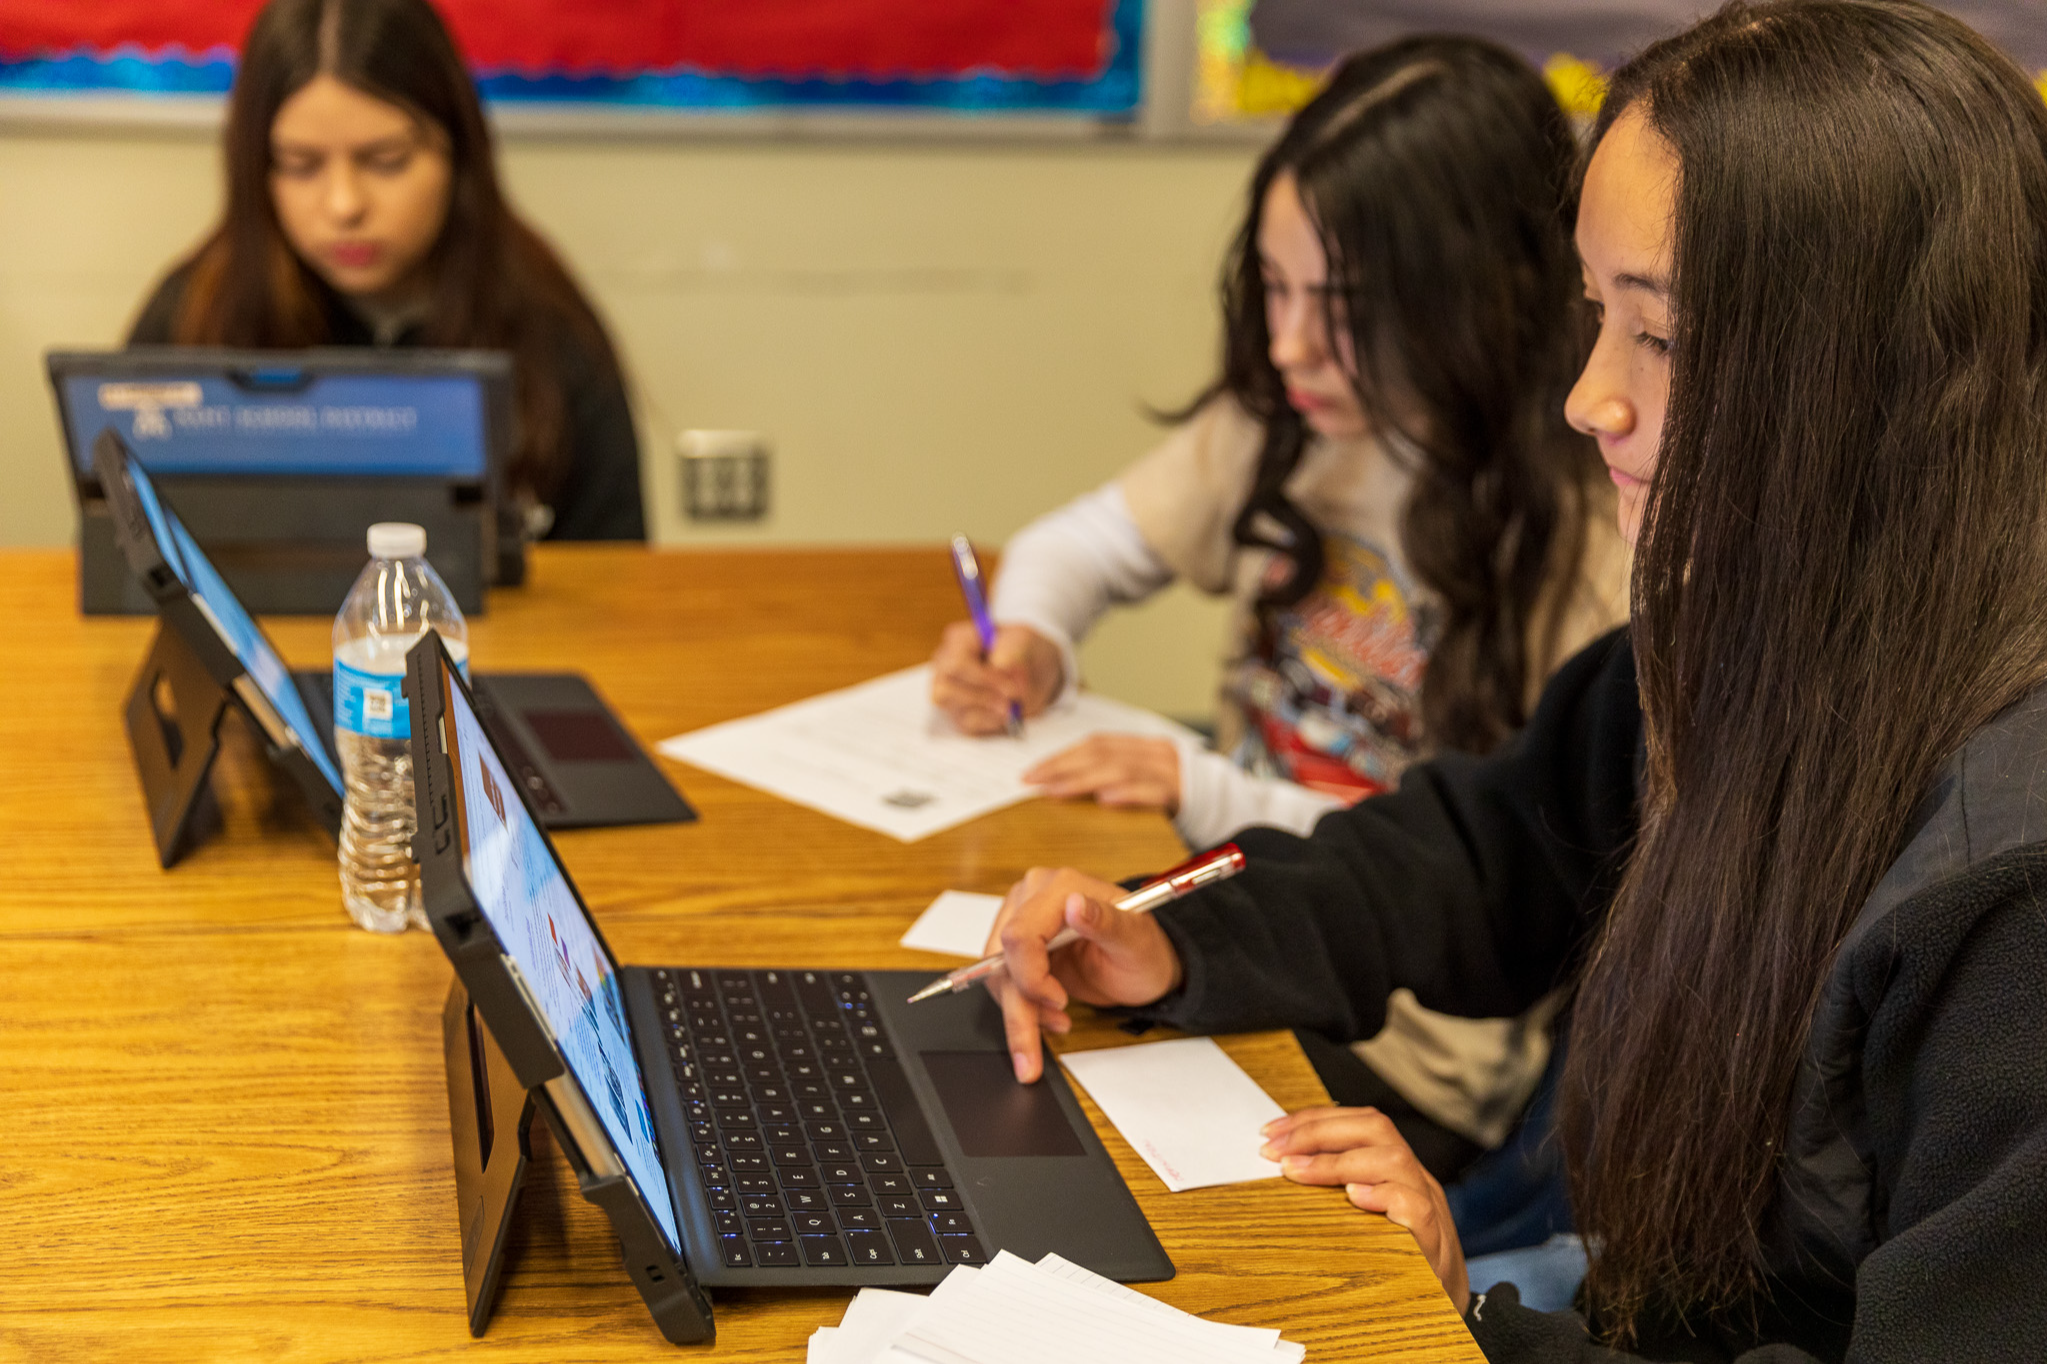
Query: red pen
1213,866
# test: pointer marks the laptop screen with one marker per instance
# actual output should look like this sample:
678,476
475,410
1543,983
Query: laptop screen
236,628
569,975
201,420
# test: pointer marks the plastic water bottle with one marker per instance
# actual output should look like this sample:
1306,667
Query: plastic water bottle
397,600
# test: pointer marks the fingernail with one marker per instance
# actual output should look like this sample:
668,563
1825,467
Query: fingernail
1293,1164
1022,1063
1270,1151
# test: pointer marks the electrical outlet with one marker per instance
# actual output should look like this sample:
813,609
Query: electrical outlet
724,475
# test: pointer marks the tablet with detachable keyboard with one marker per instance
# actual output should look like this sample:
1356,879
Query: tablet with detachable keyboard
744,1127
565,747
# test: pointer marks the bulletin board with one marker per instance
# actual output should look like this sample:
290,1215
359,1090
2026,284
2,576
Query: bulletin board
1256,60
1046,57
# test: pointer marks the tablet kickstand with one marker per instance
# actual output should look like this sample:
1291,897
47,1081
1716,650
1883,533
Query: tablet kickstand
173,716
490,1119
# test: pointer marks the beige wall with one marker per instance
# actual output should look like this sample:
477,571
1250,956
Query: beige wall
947,336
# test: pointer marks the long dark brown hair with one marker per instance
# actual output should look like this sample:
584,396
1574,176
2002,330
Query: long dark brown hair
1436,171
495,283
1842,573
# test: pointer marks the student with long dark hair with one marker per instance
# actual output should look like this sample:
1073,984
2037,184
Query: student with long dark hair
363,208
1787,835
1382,480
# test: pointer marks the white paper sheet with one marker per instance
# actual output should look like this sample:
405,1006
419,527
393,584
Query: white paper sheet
1016,1310
1190,1111
1010,1310
880,756
957,923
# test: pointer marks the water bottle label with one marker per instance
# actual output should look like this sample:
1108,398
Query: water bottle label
371,704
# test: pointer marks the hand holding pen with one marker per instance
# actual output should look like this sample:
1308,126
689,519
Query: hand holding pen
966,567
1126,958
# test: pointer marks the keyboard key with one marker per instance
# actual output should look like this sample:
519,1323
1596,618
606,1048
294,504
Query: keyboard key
747,1163
841,1173
729,1097
809,1090
723,1078
715,1175
931,1178
914,1242
782,1115
792,1154
876,1048
755,1184
873,1142
765,1073
798,1177
891,1184
825,1132
881,1161
744,1142
782,1134
733,1249
702,1133
805,1201
868,1219
850,1196
760,1206
951,1222
708,1154
899,1206
835,1151
941,1201
728,1223
721,1199
823,1251
776,1253
961,1251
871,1248
818,1224
805,1071
865,1120
736,1118
770,1230
772,1092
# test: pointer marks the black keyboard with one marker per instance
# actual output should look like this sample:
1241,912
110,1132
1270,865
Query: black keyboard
806,1132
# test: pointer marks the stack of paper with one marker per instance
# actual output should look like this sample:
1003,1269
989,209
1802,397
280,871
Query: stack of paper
1054,1311
881,756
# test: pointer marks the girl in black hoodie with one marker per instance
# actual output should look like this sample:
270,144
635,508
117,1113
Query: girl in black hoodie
1786,837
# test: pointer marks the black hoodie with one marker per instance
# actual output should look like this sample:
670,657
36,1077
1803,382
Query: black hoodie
1910,1218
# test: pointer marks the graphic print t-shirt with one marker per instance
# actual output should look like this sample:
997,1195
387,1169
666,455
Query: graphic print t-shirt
1328,692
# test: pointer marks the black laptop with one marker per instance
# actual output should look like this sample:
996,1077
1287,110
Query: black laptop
747,1128
561,743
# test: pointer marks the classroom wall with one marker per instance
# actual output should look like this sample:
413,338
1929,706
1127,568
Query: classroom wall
953,335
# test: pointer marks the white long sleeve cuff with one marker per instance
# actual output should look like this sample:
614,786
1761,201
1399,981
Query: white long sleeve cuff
1061,572
1217,798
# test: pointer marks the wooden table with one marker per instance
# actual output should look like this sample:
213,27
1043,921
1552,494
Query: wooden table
226,1128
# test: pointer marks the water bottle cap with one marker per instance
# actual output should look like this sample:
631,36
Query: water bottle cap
397,540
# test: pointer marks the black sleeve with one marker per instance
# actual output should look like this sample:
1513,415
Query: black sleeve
599,498
153,325
1955,1084
1473,885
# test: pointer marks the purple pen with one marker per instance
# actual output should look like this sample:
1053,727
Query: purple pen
966,566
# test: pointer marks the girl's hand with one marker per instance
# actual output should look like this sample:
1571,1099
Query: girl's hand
1120,959
1362,1151
1024,667
1117,770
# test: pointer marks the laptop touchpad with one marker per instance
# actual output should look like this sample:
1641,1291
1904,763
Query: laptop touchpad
578,736
991,1114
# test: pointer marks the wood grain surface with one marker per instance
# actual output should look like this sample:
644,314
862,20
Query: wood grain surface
228,1132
